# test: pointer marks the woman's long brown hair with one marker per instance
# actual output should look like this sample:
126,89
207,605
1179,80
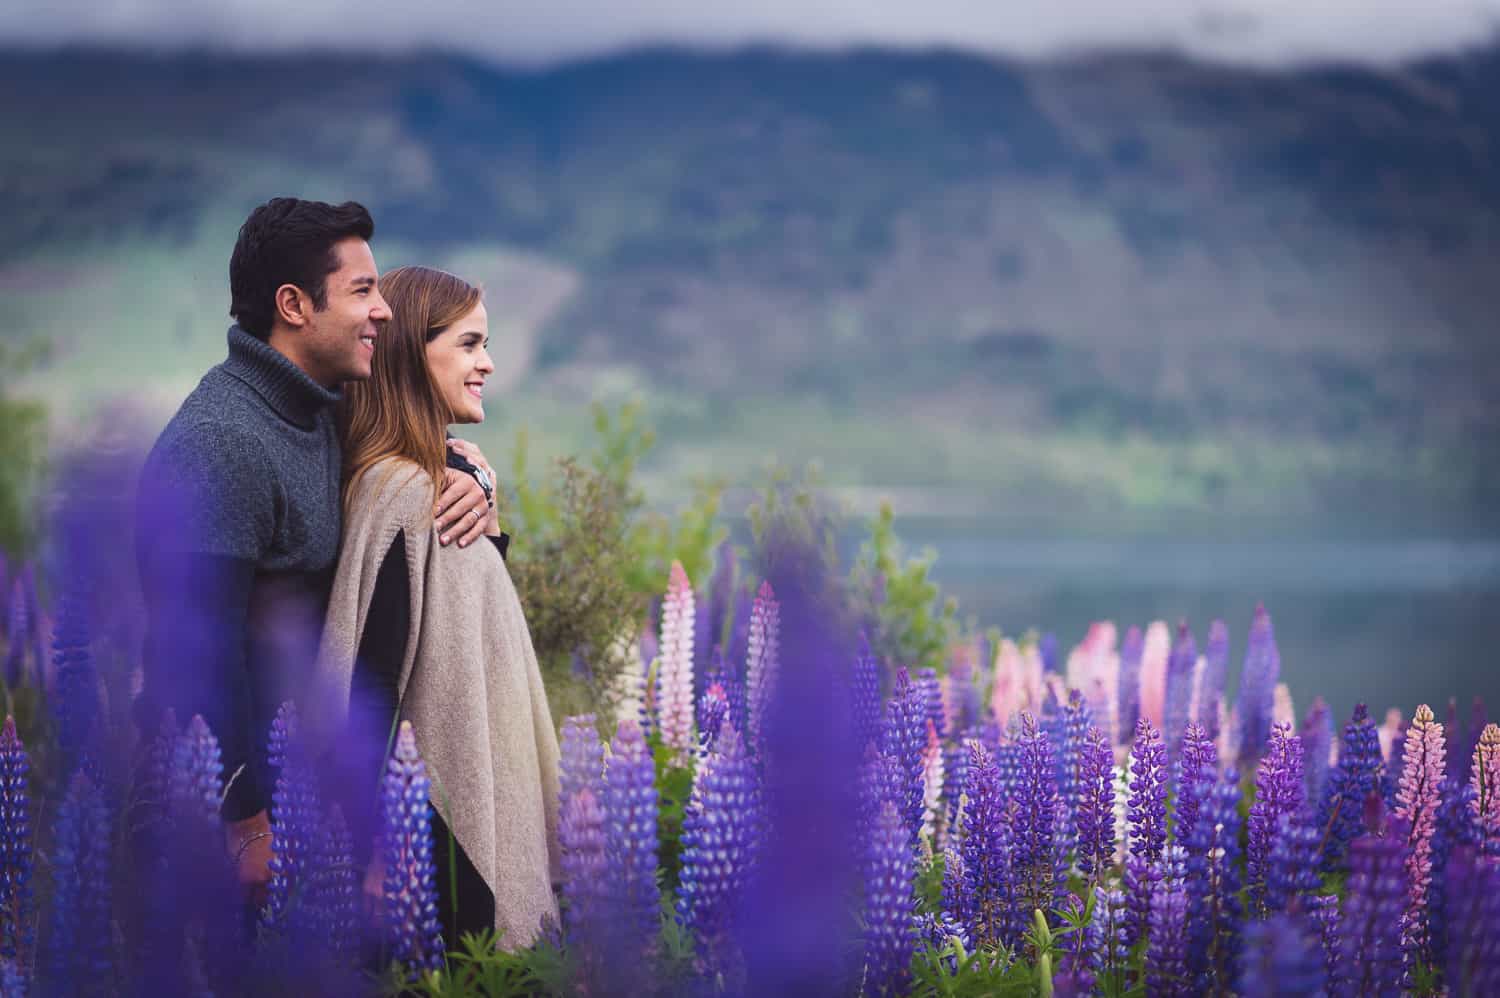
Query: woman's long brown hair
399,412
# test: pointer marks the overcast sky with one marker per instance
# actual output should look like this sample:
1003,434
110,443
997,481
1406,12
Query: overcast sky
545,31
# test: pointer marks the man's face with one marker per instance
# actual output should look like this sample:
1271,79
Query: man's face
339,339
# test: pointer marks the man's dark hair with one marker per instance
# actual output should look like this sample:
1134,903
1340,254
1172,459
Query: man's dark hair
288,241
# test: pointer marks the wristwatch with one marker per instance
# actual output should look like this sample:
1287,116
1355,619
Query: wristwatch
483,478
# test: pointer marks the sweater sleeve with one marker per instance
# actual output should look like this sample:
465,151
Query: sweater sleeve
205,518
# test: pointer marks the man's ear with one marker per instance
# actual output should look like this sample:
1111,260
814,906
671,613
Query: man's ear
292,305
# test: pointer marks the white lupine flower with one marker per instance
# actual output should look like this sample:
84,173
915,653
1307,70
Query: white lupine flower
675,679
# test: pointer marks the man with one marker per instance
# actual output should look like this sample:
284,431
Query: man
239,514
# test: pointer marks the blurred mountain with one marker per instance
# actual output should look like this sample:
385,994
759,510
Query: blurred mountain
1126,282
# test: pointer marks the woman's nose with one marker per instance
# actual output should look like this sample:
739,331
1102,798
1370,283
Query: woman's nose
485,364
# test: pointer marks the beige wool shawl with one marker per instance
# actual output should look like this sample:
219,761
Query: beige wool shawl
469,684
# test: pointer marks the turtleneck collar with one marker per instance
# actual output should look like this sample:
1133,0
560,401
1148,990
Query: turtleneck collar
286,387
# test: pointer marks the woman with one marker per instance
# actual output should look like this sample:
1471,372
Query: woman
435,634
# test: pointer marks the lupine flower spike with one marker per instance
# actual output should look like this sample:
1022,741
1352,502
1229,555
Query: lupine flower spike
16,927
1147,807
410,889
889,936
675,674
764,657
1353,780
1486,782
720,835
1278,791
1417,803
630,816
1261,671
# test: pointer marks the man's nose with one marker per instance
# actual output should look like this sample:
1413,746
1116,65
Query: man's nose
379,310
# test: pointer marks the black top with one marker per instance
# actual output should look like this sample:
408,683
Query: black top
237,534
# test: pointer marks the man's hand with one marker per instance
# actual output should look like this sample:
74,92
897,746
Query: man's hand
463,513
470,452
249,846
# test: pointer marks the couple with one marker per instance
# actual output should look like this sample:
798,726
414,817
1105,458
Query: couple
308,532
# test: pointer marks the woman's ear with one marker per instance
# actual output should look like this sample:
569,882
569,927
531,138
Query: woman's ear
292,305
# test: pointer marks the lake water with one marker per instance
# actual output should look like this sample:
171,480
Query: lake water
1388,622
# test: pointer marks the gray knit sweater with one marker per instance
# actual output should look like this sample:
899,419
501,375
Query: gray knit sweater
237,536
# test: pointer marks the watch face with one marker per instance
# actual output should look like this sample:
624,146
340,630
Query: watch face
483,477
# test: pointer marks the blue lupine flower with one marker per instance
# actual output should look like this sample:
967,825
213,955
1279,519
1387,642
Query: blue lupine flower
956,773
16,926
1472,965
1215,677
1077,719
581,758
581,834
410,877
713,714
890,938
1317,741
1147,812
1040,876
1213,884
957,898
1096,806
195,786
987,849
296,825
720,835
1283,956
903,737
1046,648
864,698
1293,867
77,679
1258,679
1278,791
932,693
1456,829
12,983
1131,650
1354,779
630,843
78,957
1323,913
1166,950
1110,925
963,696
1197,767
1370,927
1177,708
938,932
335,887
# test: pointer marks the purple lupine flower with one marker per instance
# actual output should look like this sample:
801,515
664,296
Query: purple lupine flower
1177,709
1417,803
295,824
1317,743
1147,810
1046,647
1075,729
195,787
903,738
630,843
12,983
16,926
763,657
410,888
1095,818
1111,917
713,713
961,695
1278,791
1354,779
864,696
1197,768
1008,764
1370,923
1215,678
882,778
1292,869
937,932
932,693
956,773
1213,877
987,849
957,897
1258,678
1323,914
720,834
889,936
1166,950
1473,959
581,757
1035,856
1456,829
1283,956
1131,650
76,677
335,887
1485,781
580,832
78,948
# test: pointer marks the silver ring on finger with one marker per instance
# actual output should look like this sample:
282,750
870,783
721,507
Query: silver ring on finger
477,515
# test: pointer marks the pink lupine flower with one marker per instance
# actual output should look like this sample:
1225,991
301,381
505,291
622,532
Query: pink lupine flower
932,785
675,674
1154,655
1018,682
1417,803
1094,670
1390,731
1283,709
764,651
1486,777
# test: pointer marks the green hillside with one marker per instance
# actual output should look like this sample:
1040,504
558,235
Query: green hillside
1114,290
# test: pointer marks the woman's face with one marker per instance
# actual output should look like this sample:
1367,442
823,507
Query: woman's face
459,362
